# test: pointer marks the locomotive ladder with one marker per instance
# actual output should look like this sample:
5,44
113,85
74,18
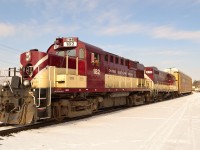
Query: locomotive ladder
44,111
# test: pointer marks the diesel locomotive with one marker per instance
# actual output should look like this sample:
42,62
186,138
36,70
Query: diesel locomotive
74,78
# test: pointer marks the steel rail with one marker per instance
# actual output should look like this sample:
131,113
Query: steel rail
18,128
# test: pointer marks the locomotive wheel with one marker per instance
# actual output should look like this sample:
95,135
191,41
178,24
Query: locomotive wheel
129,102
147,98
173,96
143,99
56,112
95,106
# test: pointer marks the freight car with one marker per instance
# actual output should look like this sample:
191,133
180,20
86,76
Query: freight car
74,78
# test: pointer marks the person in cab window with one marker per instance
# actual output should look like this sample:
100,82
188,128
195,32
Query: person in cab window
96,59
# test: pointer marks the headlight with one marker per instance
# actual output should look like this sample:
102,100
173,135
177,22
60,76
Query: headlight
26,83
5,84
29,70
28,56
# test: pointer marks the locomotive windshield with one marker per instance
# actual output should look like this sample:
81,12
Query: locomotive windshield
71,52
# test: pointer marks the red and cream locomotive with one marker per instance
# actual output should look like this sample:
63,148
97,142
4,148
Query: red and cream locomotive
74,78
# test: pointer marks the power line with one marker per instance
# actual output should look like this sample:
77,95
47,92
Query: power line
9,47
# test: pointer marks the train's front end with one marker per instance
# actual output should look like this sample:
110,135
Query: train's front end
17,97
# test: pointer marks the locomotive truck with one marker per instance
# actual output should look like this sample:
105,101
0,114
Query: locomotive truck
74,78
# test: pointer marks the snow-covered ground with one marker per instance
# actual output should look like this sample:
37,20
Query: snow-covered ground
168,125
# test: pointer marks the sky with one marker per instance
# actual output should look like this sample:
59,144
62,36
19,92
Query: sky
157,33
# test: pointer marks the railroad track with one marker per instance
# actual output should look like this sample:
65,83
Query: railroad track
15,129
2,124
8,130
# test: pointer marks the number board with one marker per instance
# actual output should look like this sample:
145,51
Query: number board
70,44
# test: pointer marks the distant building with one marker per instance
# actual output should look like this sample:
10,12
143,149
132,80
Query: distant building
6,74
196,84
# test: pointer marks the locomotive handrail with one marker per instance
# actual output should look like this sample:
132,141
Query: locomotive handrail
34,101
10,86
39,92
76,65
49,88
49,95
67,61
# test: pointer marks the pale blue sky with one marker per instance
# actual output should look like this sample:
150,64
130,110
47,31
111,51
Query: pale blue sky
154,32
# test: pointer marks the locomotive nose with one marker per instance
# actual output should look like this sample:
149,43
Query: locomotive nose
31,62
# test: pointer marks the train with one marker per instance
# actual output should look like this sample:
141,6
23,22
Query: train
74,78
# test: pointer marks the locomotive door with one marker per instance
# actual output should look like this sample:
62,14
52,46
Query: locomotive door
95,71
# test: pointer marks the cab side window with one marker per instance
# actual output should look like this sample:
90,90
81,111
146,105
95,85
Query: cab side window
96,58
81,53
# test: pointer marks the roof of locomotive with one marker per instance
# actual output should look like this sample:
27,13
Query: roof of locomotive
158,75
96,49
152,67
93,48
